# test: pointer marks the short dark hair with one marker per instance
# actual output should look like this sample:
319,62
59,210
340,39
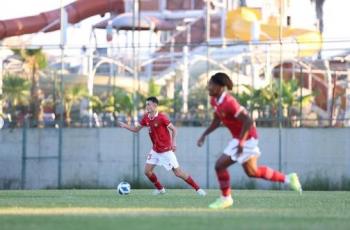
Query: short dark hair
153,99
222,79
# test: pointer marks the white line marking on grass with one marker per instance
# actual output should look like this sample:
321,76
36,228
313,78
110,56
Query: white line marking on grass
114,211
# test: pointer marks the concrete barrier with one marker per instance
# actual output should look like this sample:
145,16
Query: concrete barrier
101,158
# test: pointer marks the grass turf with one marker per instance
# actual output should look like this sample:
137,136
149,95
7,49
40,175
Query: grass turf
178,209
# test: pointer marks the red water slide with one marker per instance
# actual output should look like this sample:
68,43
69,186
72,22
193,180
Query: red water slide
49,21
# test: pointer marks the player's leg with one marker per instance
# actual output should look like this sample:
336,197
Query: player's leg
252,169
188,179
151,163
169,161
223,177
153,178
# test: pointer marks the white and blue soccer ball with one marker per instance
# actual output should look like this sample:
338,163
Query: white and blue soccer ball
123,188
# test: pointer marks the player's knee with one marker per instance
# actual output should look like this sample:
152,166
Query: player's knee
251,173
218,166
148,173
177,173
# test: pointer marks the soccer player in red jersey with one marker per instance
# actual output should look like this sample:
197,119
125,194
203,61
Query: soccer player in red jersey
164,146
243,148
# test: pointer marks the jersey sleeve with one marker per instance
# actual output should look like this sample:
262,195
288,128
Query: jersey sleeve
165,120
234,108
143,121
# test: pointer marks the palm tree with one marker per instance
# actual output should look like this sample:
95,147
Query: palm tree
265,101
72,95
165,104
122,101
97,104
34,60
104,105
153,88
15,92
258,100
197,100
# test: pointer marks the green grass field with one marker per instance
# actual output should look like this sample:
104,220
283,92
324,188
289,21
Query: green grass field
178,209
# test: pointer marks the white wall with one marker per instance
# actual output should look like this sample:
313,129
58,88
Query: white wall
103,157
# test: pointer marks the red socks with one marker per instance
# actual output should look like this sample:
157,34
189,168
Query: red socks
224,181
153,178
191,182
269,174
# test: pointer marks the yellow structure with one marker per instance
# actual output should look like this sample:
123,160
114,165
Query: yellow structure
245,24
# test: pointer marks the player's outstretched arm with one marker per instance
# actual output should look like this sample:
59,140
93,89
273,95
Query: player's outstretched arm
128,127
215,123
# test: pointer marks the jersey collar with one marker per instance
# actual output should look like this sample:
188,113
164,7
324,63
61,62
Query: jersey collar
155,115
221,99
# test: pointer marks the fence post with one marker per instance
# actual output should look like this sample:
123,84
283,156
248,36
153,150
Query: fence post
24,153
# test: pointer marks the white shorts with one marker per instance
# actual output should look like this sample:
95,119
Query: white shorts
250,149
166,159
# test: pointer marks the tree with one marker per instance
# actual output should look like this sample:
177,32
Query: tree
122,102
265,101
262,101
197,101
72,95
153,88
15,92
34,60
165,104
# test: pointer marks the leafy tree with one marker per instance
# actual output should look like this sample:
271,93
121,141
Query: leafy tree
153,88
261,101
121,101
73,95
165,104
34,60
97,104
290,98
265,101
15,92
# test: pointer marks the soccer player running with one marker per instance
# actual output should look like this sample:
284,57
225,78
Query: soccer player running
243,148
164,146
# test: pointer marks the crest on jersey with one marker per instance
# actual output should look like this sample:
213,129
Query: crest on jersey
223,114
155,124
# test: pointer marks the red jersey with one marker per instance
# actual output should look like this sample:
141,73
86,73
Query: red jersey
158,131
227,109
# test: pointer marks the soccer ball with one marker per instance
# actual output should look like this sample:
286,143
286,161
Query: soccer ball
123,188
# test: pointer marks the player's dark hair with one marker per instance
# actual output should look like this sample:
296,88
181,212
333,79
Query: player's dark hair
153,99
222,79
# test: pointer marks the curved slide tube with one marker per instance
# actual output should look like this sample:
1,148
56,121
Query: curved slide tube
49,21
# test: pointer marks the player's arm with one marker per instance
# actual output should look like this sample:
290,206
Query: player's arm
134,129
247,124
173,133
215,123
